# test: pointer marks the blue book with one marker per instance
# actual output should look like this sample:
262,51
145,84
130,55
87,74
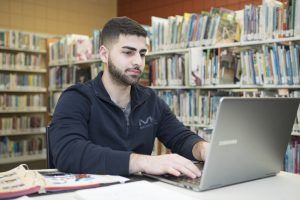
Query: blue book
191,27
277,66
253,74
289,68
296,55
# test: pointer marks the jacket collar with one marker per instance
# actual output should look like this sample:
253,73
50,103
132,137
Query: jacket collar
137,93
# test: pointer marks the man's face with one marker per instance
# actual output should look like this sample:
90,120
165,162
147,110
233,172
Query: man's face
126,60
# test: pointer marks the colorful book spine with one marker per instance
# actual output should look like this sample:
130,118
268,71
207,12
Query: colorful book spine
22,40
168,70
21,81
15,102
10,147
11,125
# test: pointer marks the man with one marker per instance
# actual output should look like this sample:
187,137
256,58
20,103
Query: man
108,125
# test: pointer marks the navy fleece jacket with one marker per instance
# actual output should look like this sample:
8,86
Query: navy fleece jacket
90,134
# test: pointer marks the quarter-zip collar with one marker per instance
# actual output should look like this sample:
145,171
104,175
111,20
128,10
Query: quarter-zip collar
138,96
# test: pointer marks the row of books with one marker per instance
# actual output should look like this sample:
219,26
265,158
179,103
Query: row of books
199,107
21,81
22,40
72,48
273,19
8,101
191,106
292,157
61,77
276,65
20,60
169,70
213,66
64,76
208,67
11,147
14,124
192,29
263,65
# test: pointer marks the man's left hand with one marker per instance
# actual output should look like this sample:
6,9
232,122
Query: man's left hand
200,150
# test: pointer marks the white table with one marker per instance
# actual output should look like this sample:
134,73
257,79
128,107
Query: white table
283,186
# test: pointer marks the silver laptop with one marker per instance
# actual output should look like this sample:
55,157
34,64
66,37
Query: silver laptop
249,142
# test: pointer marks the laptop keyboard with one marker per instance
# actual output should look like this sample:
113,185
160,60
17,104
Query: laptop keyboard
183,179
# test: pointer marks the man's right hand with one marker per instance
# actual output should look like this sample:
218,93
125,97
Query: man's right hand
173,164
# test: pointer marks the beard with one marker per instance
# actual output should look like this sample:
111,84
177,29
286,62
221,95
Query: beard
119,77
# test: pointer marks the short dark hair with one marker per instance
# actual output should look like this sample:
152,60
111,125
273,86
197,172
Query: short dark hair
121,25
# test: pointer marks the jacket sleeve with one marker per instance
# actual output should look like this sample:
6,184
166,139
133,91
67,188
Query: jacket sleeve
174,135
71,148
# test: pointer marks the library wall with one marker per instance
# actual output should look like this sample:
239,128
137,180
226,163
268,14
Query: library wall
142,10
56,16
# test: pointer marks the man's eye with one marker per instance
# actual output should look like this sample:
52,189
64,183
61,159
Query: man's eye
143,55
128,52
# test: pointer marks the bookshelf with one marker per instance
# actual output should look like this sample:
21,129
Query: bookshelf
258,59
72,59
23,98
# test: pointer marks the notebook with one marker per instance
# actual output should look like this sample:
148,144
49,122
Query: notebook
248,142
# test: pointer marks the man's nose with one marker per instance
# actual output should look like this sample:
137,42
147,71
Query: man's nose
138,60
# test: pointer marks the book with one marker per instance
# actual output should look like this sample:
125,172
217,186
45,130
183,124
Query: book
296,17
227,28
21,181
145,78
83,74
96,41
227,70
196,67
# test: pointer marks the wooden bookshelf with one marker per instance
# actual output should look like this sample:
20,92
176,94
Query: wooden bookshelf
276,48
23,90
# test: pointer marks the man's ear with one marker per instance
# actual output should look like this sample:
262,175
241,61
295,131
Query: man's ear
103,53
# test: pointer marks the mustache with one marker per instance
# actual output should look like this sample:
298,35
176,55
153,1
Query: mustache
135,68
